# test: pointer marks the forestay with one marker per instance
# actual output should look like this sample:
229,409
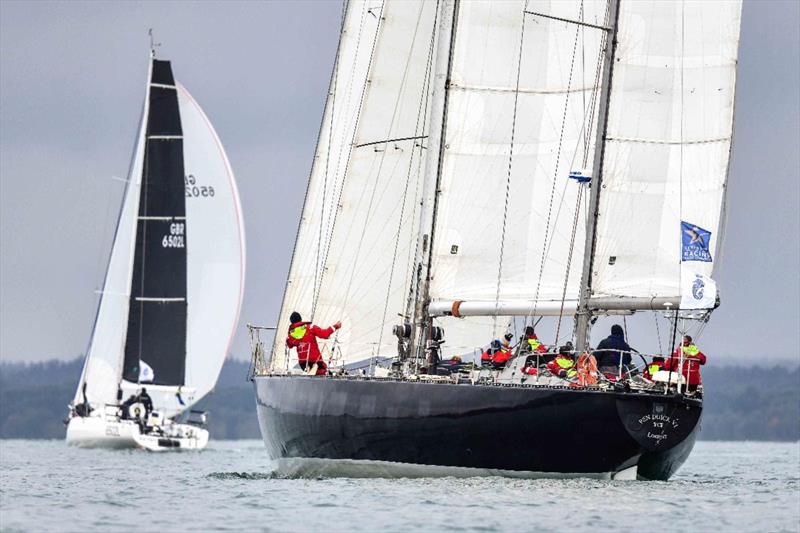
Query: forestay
668,145
355,243
522,101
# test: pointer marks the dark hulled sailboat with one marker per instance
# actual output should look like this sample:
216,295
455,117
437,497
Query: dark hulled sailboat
439,198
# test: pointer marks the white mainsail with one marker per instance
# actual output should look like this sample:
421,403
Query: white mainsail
215,260
355,245
520,118
670,124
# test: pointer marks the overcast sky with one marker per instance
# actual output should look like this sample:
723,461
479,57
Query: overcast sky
71,86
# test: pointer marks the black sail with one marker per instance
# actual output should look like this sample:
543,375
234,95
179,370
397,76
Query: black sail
157,310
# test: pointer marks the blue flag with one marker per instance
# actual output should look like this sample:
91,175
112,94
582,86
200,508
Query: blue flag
695,241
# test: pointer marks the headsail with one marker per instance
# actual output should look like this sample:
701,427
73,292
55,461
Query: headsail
103,366
354,249
215,270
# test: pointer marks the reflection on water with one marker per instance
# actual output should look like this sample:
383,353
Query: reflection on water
232,485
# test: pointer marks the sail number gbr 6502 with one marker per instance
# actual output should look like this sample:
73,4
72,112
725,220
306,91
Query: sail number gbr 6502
176,237
195,190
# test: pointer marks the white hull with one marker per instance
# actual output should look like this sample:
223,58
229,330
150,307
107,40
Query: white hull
110,433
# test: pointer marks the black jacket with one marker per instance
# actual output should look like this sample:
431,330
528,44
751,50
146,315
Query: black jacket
608,351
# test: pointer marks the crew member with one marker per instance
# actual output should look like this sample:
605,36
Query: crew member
488,353
692,359
531,342
303,336
563,365
610,350
145,400
502,355
657,364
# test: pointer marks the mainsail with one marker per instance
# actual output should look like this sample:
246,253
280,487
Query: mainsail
175,277
521,110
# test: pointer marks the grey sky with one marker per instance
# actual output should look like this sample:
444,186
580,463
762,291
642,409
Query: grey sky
71,87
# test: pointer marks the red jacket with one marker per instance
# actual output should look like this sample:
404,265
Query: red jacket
691,365
502,356
307,348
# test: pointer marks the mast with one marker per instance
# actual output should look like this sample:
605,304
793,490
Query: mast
583,314
433,170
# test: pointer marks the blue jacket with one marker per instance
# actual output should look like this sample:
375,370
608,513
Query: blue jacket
608,351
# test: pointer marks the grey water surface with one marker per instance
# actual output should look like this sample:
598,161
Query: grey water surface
47,486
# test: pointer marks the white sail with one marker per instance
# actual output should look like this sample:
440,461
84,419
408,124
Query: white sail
215,258
507,237
668,144
357,235
215,248
103,365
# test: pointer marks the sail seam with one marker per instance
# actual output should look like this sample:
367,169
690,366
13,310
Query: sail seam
675,143
163,86
164,137
488,89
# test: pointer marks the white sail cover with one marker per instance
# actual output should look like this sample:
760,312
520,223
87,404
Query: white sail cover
667,150
215,248
355,245
552,135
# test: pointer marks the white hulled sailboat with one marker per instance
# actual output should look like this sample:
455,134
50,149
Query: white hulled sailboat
173,287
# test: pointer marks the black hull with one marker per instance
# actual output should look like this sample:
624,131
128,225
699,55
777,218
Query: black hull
556,431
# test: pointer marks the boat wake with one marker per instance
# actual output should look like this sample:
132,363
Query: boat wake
314,468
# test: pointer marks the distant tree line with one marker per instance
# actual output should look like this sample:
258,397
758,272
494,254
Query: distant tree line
741,403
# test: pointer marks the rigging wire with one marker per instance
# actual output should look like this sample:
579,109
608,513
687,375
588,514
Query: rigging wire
569,259
337,203
508,179
658,335
369,213
334,84
555,173
418,128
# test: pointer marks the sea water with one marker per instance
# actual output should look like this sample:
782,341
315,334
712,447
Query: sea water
47,486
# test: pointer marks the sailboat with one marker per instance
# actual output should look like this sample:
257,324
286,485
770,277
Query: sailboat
481,165
173,286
